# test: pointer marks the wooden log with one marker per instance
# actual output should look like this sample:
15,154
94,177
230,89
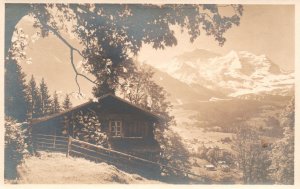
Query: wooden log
46,143
48,139
49,148
37,134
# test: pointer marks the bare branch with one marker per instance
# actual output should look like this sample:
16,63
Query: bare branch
72,49
76,72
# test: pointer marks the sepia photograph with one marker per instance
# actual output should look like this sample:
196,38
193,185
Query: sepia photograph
149,93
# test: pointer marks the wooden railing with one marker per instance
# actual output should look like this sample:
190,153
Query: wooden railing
50,142
75,147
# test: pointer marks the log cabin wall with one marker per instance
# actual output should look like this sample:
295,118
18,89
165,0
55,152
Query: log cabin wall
131,125
137,125
52,127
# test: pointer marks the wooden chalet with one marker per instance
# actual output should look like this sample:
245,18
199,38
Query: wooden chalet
129,128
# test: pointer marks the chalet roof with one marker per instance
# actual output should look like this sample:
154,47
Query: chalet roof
92,103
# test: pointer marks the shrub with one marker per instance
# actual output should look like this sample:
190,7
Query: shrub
15,147
88,128
253,158
226,140
173,151
283,150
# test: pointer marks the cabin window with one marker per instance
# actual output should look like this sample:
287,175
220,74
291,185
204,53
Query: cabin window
115,128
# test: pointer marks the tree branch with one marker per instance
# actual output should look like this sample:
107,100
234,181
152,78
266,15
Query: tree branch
72,49
76,72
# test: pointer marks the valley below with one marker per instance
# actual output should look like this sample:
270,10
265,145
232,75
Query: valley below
207,130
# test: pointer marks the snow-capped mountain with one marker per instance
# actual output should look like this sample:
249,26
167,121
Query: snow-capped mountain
235,74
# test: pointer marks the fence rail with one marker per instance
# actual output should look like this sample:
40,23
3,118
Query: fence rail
75,147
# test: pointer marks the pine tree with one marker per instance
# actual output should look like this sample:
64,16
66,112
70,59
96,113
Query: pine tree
32,99
45,99
67,103
15,91
55,103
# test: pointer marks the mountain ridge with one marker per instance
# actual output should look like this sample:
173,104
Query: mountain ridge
234,74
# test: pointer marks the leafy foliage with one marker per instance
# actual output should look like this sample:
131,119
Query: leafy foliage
173,152
112,33
139,88
215,154
86,127
18,45
253,157
15,146
283,150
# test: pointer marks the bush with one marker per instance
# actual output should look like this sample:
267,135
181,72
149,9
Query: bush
215,154
173,151
88,128
283,150
253,158
15,147
201,152
226,140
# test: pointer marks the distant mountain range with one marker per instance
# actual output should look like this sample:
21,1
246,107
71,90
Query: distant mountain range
205,75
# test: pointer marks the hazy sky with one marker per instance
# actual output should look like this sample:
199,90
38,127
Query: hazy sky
264,29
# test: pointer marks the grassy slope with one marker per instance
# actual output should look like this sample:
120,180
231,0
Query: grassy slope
55,168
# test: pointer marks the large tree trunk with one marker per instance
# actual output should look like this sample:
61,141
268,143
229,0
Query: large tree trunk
14,12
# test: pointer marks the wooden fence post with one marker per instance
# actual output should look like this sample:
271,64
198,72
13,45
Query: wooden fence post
54,140
69,145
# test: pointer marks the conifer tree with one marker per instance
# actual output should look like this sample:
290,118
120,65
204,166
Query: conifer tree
15,91
45,99
32,99
55,104
67,103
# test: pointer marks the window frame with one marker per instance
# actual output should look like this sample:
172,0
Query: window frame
116,130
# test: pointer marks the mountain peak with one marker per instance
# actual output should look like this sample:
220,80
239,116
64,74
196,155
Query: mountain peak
237,72
197,53
233,53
